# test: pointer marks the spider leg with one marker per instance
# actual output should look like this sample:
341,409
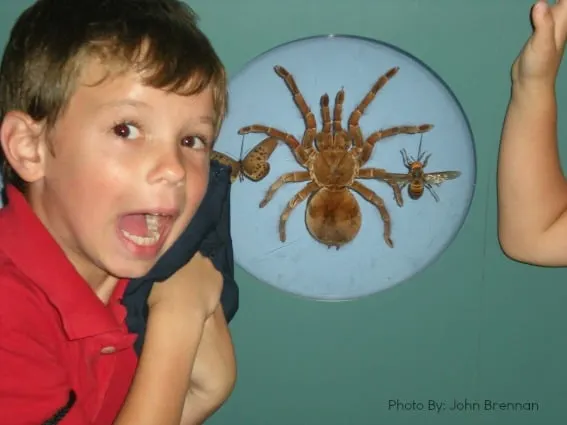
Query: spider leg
325,138
272,132
306,113
359,110
301,154
353,121
392,180
378,202
295,177
325,114
389,132
341,137
338,111
293,203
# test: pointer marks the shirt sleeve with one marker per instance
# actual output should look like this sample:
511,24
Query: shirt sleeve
34,388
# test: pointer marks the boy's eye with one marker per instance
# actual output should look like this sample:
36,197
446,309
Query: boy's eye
126,131
194,142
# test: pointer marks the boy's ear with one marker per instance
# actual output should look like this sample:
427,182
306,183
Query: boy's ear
23,142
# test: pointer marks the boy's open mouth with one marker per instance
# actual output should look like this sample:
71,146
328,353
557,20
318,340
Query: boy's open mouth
145,229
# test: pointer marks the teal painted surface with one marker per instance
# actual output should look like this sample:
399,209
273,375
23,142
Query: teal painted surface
474,325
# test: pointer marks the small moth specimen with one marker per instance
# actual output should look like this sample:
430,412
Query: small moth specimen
333,160
255,164
417,179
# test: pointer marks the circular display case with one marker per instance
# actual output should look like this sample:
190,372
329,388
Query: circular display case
421,229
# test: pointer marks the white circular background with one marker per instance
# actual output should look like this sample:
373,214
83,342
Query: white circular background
421,229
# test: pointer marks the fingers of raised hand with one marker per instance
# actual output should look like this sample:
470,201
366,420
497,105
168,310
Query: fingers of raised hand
558,10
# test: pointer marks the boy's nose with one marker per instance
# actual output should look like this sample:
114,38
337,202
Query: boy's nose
169,168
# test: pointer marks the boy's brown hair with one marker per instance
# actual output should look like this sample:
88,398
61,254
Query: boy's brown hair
53,39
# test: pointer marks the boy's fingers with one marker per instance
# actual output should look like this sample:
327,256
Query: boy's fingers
559,16
544,26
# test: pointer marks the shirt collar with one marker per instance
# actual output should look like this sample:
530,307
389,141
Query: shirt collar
37,255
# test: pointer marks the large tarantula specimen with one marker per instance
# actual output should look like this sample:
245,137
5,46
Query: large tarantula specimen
333,159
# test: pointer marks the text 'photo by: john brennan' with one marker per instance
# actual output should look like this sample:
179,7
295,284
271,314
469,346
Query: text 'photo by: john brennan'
463,405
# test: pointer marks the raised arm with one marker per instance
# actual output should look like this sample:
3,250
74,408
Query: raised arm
532,190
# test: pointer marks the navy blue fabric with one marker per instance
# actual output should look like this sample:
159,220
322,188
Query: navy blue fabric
209,234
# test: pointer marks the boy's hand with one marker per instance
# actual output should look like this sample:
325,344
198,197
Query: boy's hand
539,61
196,285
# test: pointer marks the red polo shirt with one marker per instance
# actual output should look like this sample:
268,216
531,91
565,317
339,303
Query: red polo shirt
59,344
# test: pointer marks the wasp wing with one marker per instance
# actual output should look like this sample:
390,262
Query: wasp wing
439,177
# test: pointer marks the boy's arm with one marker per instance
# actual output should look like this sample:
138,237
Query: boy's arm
214,371
532,191
162,377
178,309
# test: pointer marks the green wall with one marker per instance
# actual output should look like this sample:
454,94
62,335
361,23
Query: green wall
475,324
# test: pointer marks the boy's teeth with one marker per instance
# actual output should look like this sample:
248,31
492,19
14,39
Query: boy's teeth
142,240
152,222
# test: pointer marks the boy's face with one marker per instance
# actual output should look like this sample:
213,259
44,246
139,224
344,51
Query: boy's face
129,169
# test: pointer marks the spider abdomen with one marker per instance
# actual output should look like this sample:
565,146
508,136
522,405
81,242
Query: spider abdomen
333,217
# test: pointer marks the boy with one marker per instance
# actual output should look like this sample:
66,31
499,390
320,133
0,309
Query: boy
109,111
532,191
